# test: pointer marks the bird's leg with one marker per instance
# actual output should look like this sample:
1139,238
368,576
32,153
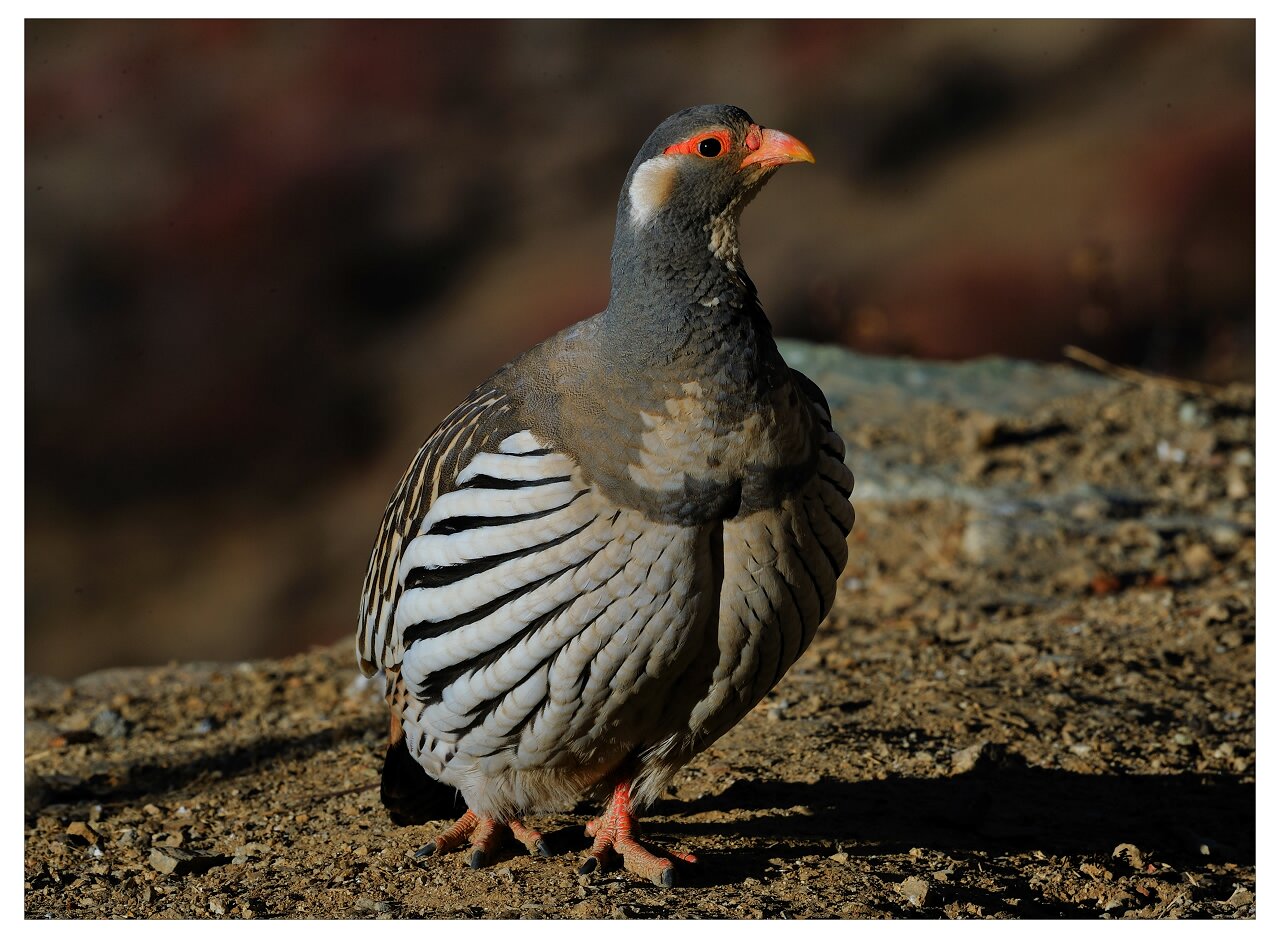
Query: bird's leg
485,835
614,831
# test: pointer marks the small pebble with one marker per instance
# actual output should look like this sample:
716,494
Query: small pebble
1237,487
169,860
986,539
82,831
1198,559
1190,415
915,890
109,724
981,756
1131,854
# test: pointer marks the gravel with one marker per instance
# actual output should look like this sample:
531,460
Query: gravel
1057,724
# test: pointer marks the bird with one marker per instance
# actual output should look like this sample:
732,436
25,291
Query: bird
612,550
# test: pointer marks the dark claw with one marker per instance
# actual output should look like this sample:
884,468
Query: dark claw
478,859
667,879
544,850
589,866
426,851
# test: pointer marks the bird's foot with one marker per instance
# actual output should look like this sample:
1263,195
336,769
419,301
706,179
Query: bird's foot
614,833
485,834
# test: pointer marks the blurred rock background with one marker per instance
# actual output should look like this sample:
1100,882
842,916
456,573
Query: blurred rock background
264,259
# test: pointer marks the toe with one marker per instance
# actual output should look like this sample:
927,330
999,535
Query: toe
531,839
659,871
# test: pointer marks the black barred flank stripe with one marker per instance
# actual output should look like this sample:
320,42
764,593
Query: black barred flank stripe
404,511
455,525
433,629
549,663
534,711
486,708
511,484
433,687
420,577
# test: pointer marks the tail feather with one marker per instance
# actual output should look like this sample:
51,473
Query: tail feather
410,795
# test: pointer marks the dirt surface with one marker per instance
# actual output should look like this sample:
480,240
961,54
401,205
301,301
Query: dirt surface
1034,698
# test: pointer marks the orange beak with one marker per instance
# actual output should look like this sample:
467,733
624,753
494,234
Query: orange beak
777,148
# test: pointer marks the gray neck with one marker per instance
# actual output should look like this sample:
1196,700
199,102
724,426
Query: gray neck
680,300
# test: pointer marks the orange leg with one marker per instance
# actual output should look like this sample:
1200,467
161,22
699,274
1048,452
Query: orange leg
614,832
485,835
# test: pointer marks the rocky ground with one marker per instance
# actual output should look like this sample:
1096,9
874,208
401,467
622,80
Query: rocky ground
1034,698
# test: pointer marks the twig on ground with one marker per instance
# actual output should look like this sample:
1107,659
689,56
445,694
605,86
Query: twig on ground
1134,376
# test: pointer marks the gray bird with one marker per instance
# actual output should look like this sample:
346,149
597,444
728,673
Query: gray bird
614,548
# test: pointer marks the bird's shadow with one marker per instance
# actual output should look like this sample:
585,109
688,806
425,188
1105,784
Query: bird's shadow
1005,808
156,775
1183,819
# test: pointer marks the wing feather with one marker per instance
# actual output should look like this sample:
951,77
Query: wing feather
479,418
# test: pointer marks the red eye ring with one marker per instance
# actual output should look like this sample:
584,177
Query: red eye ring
694,145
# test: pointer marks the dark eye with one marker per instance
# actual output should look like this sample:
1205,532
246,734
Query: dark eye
709,147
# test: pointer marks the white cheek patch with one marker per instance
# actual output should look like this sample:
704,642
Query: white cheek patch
650,187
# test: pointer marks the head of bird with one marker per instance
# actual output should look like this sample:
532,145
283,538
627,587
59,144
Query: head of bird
693,176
